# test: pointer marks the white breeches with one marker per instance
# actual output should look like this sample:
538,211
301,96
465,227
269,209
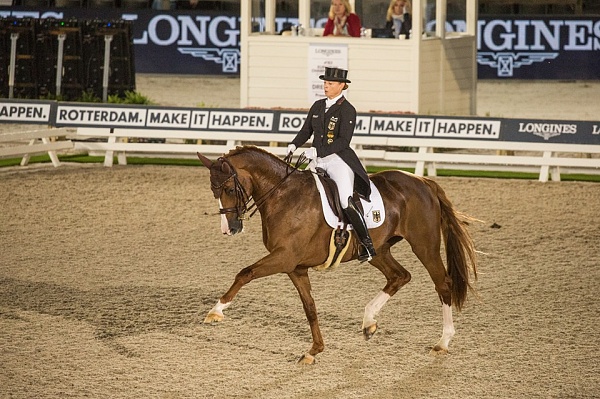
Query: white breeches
341,173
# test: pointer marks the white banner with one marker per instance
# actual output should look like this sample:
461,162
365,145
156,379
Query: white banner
321,56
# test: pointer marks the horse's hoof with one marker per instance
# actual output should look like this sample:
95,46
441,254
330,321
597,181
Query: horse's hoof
307,359
438,351
213,318
368,332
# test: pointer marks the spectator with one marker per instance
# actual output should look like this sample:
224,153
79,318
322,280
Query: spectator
342,21
399,17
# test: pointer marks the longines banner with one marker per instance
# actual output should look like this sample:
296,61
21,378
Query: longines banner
540,48
188,42
423,126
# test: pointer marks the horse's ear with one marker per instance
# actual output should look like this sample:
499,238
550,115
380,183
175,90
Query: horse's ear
226,168
205,161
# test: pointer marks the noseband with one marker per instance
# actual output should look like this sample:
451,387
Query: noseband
242,199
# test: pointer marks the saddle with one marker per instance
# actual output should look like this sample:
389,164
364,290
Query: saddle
340,237
333,195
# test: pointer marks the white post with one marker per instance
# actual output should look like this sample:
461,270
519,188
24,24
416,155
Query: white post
545,169
416,42
59,62
13,59
52,154
270,16
27,157
440,19
304,14
107,41
472,24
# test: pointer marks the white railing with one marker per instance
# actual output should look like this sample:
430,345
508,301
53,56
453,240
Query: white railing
33,142
546,159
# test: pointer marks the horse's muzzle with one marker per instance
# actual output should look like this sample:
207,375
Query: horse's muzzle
231,227
235,228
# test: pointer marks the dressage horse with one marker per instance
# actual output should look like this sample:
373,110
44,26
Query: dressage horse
297,236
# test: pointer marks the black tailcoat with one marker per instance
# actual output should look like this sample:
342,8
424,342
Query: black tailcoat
333,132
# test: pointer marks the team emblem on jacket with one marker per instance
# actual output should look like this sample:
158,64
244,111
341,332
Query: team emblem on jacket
332,123
331,127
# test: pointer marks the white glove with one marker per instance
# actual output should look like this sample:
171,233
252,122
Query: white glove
291,148
311,153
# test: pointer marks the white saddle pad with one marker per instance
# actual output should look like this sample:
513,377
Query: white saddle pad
373,211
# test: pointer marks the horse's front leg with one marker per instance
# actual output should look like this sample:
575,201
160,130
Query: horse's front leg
302,283
270,264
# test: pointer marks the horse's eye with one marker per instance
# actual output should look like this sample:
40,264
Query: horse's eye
230,191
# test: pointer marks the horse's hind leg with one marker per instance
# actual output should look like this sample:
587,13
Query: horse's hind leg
429,255
396,276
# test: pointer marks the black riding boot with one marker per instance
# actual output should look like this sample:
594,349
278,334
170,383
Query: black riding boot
366,251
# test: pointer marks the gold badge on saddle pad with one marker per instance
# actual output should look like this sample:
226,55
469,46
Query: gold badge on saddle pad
376,216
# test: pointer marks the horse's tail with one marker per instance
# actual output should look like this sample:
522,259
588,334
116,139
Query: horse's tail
460,249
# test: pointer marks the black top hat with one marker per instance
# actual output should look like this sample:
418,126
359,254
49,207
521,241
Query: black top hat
335,75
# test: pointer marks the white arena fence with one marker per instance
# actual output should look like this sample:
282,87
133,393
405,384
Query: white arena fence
422,142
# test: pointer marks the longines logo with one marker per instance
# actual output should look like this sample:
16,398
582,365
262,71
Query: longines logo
328,52
506,62
507,45
228,58
547,130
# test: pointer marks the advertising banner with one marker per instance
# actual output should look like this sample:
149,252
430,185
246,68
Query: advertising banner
539,48
208,43
321,56
63,114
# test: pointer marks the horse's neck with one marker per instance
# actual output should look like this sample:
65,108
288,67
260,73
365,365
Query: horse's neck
266,173
268,177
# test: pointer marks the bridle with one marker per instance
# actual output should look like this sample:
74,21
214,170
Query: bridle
243,201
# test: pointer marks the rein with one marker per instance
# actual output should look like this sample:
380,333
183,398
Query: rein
243,200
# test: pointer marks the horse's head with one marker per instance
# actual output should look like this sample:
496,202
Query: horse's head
228,187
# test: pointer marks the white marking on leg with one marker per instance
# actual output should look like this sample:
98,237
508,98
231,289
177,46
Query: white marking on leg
373,308
219,307
224,223
448,331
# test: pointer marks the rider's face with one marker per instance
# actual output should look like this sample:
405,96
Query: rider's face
333,89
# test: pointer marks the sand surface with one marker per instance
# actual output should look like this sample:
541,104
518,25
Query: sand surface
107,273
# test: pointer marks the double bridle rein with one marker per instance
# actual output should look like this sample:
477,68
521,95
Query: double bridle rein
243,201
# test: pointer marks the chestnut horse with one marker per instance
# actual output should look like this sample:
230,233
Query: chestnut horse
297,237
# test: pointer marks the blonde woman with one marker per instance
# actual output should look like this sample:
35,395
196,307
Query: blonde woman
342,21
399,17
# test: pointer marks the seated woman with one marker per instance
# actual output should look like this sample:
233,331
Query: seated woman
342,21
399,17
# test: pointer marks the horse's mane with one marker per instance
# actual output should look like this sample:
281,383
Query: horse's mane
253,150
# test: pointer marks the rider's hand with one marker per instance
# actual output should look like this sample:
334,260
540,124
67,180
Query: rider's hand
291,148
311,153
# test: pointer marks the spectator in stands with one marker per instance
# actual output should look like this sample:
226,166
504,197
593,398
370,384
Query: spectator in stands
331,122
342,21
399,17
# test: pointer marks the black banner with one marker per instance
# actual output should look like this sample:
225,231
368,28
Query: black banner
539,48
207,43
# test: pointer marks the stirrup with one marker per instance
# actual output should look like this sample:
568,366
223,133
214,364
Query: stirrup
364,254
